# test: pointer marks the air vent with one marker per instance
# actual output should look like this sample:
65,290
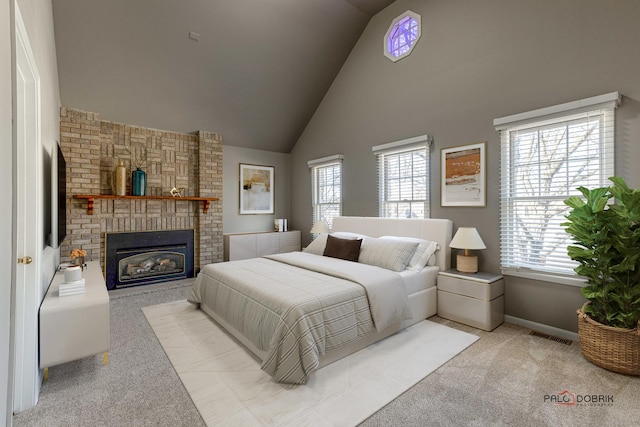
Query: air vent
551,337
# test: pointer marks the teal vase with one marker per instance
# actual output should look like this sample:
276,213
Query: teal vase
138,182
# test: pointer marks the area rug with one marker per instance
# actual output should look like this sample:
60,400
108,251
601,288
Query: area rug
227,386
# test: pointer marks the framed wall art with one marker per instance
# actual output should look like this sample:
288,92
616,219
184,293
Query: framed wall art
257,189
463,175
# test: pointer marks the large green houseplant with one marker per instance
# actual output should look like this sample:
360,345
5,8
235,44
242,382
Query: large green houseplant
607,248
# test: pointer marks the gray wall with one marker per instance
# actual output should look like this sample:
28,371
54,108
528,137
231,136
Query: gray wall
476,61
232,221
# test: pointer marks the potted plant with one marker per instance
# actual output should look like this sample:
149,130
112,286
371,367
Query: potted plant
607,247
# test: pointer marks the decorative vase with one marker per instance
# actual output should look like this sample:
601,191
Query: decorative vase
615,349
120,179
138,182
79,261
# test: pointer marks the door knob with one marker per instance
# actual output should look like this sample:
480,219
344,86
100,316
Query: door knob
25,260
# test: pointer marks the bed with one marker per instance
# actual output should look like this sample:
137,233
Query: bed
300,311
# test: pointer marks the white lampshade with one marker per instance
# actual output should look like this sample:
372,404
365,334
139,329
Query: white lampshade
467,238
320,227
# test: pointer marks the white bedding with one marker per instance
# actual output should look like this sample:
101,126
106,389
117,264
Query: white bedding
296,306
415,281
388,305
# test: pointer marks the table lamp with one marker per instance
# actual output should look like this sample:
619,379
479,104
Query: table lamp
320,227
467,238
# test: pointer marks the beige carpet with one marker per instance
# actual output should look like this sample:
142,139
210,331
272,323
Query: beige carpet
228,387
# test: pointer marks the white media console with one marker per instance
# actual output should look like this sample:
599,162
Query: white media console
76,326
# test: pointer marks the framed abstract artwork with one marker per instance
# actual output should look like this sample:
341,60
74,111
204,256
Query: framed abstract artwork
257,189
463,176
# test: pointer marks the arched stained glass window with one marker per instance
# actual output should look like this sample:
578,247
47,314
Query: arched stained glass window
402,36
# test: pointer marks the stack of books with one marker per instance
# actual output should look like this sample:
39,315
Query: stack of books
71,288
280,224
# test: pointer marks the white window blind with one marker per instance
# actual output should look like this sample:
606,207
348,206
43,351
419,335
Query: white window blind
545,155
403,178
326,188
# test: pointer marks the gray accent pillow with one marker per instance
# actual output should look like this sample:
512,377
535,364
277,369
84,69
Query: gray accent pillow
393,255
424,254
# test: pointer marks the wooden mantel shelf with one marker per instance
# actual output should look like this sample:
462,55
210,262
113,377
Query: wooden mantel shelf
91,197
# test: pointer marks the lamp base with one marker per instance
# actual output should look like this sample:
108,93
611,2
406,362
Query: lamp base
467,263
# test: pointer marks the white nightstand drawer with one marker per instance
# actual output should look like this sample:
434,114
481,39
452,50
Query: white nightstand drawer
479,290
474,312
473,299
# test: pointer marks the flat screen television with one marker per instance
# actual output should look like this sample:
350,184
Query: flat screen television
58,197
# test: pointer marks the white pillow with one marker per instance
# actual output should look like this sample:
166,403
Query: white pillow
348,235
390,254
424,254
317,245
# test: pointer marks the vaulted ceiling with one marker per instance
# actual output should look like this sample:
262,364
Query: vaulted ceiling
255,70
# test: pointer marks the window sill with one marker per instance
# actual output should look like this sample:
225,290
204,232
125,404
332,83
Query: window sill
576,281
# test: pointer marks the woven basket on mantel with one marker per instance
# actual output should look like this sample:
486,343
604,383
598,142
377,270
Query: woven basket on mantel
615,349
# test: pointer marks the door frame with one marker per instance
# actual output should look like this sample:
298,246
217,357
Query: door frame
7,175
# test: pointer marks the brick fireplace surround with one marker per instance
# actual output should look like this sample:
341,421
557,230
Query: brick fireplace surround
92,148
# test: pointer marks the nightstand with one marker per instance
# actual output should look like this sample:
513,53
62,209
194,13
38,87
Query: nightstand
475,299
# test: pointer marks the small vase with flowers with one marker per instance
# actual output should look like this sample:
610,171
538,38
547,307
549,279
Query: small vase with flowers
77,257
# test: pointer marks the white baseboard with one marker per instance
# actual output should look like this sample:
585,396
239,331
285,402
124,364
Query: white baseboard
539,327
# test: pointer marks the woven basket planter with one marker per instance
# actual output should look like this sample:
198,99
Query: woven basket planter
615,349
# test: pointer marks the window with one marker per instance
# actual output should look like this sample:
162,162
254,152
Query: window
402,36
326,188
403,178
546,154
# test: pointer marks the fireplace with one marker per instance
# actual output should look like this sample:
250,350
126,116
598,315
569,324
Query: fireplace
141,258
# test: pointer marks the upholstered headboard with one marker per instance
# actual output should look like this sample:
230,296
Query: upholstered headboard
437,230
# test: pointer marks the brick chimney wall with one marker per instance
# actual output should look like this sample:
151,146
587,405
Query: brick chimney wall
92,149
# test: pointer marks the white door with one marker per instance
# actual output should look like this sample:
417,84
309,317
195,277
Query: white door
29,238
